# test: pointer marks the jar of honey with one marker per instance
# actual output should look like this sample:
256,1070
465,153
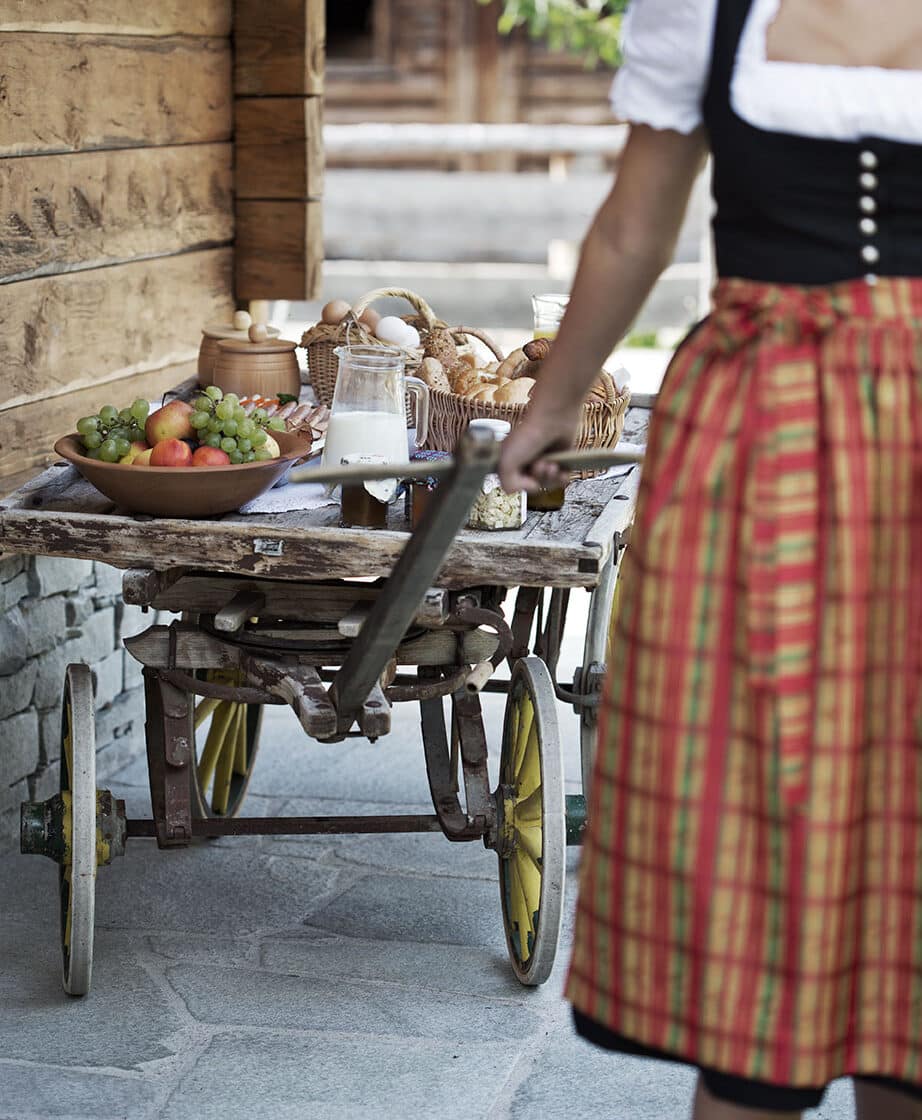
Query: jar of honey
363,505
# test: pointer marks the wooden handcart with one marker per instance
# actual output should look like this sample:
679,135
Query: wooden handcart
340,624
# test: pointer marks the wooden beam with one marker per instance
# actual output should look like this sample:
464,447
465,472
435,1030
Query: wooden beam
279,250
91,208
279,147
28,433
117,17
82,329
279,48
62,93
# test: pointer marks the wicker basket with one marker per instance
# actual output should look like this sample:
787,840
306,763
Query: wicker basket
321,340
601,425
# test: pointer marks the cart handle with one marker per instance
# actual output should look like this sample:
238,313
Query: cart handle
587,459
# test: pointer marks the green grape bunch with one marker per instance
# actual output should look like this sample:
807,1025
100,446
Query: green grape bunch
108,434
220,421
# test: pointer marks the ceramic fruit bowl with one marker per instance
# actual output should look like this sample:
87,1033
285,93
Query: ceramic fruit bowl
185,491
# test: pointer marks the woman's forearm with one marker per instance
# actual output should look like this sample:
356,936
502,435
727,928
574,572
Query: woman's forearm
630,242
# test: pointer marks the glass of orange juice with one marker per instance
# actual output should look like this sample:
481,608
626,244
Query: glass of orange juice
548,311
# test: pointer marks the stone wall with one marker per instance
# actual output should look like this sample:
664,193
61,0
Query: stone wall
54,612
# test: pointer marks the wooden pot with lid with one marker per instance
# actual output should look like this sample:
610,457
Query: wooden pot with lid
213,333
257,365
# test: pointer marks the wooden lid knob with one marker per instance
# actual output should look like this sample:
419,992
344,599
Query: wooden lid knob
242,320
258,333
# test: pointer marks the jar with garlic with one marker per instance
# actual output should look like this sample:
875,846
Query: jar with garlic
493,508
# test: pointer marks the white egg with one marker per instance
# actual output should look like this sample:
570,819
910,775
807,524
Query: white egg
396,331
412,336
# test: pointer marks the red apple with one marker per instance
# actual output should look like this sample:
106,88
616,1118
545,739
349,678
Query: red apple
171,453
206,456
137,448
142,459
169,422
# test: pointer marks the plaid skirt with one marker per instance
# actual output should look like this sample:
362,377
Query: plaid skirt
751,881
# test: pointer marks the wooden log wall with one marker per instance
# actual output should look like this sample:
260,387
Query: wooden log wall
116,206
279,85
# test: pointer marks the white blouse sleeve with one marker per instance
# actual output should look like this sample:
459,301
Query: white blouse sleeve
667,59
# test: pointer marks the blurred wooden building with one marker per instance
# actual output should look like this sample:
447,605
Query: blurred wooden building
444,61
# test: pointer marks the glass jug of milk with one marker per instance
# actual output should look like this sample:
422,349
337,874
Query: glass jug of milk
369,411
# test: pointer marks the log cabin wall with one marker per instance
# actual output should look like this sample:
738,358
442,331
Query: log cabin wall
443,61
116,205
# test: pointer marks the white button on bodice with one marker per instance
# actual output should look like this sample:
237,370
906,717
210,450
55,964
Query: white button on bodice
868,204
868,227
868,160
868,181
870,254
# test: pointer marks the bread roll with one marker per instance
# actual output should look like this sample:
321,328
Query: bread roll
465,382
486,395
515,392
432,372
511,366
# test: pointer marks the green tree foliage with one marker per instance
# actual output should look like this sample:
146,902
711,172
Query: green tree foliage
589,28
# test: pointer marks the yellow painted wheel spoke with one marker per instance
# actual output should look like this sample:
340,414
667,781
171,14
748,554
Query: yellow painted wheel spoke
240,755
204,708
225,765
217,733
529,811
520,912
508,760
530,877
528,778
529,838
523,731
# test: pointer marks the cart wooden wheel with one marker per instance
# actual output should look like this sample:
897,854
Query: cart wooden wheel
532,835
591,674
226,741
77,870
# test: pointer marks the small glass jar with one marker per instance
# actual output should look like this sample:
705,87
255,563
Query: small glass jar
548,310
547,500
493,508
360,507
421,491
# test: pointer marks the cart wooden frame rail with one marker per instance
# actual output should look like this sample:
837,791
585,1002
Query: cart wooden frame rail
386,617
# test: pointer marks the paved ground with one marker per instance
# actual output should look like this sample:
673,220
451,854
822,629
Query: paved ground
327,978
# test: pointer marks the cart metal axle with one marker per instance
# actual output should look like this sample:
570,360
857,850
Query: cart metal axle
292,826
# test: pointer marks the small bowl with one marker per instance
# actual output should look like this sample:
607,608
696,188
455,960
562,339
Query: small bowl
185,491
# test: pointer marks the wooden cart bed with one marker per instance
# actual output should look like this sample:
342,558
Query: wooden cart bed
58,513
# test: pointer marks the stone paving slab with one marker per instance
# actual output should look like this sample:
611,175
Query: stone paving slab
211,888
45,1093
241,997
411,908
128,1022
427,967
341,1078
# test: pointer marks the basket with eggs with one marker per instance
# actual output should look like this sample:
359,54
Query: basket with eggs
362,325
462,389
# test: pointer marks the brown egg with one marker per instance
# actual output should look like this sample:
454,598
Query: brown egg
335,311
370,318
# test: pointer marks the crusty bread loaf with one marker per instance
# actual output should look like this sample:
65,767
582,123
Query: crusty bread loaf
485,395
516,391
433,373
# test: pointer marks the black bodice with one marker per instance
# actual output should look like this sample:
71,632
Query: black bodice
797,210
